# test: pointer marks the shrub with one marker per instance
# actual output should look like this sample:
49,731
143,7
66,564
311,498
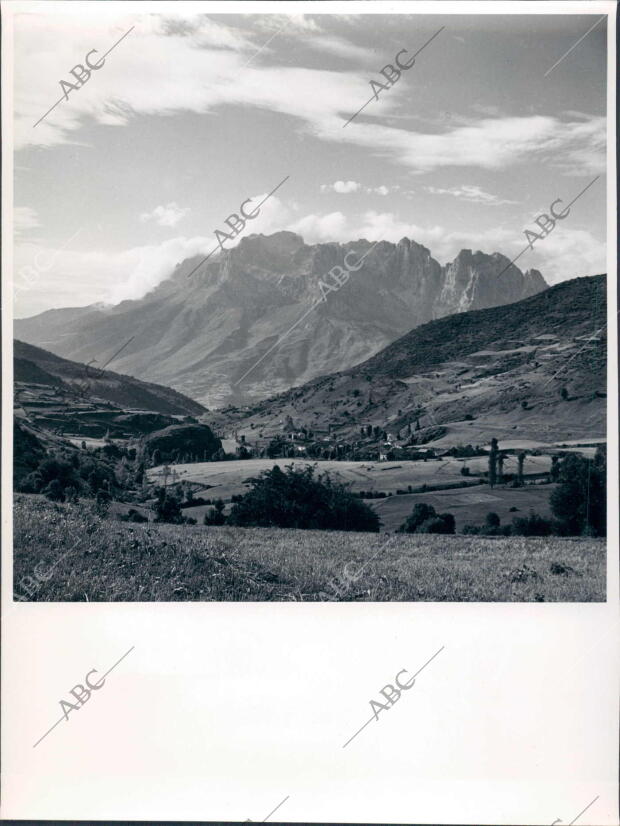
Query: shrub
424,519
102,501
296,499
470,529
167,507
54,491
532,525
133,515
465,471
215,515
492,520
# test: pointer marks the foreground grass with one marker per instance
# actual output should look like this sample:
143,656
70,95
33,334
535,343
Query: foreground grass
82,557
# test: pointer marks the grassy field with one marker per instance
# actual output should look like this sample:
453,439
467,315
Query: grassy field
79,556
227,478
469,506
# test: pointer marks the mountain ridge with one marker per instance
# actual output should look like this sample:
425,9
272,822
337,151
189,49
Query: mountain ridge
240,327
502,367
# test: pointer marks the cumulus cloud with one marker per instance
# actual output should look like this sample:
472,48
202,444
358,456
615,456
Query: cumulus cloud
165,216
473,194
342,187
346,187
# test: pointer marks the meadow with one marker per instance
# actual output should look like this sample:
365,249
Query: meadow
66,552
225,479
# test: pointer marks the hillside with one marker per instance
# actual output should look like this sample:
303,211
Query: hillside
33,365
217,334
467,377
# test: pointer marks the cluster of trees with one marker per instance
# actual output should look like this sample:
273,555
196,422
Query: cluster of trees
424,519
67,475
531,525
296,498
578,503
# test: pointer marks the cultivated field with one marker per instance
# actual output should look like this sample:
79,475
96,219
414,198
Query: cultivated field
469,506
70,554
227,478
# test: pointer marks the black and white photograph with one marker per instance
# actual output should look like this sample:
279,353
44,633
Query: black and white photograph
311,308
310,412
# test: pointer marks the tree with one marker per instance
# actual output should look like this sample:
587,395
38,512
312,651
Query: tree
492,520
103,500
298,499
493,463
167,507
579,501
520,460
215,516
524,404
501,458
554,473
532,525
54,491
276,447
564,394
421,513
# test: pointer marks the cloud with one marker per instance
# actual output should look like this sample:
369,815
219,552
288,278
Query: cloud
346,187
165,216
473,194
24,219
342,187
159,71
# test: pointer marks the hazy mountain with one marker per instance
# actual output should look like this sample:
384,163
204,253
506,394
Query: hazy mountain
493,372
33,365
204,333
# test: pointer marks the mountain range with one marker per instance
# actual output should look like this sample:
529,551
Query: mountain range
255,320
534,369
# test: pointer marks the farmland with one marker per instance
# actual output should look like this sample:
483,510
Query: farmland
226,479
85,557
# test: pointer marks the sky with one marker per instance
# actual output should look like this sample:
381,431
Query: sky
190,115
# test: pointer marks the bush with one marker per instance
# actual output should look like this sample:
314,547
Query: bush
492,520
296,499
464,471
54,491
424,519
168,507
133,515
470,529
532,525
215,515
102,501
442,523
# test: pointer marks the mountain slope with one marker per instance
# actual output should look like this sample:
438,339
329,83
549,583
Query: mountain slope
33,365
233,331
503,367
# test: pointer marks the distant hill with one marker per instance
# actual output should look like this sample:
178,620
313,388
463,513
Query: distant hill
33,365
229,330
477,374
